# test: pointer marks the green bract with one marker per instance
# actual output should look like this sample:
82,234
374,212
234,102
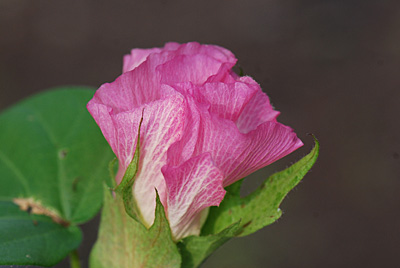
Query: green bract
124,242
261,207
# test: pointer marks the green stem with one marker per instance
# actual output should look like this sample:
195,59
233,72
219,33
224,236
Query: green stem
74,259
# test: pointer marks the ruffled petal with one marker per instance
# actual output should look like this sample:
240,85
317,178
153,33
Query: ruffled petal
189,62
194,68
261,147
259,110
130,90
225,74
192,187
238,154
183,149
196,63
216,52
137,57
226,100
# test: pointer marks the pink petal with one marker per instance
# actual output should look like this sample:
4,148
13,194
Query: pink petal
193,48
162,126
194,68
137,57
130,90
225,74
238,154
257,111
192,187
268,143
125,127
163,122
135,88
196,63
183,149
226,100
219,54
120,129
125,94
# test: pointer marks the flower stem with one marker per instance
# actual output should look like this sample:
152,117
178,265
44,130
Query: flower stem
74,259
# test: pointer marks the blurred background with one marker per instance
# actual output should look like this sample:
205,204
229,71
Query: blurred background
330,66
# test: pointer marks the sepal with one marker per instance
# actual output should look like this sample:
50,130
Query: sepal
123,242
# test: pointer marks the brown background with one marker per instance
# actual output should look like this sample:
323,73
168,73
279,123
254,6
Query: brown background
330,67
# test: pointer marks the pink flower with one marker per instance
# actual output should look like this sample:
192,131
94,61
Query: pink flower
204,128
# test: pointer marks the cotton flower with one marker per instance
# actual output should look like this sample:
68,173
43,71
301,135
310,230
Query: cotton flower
204,127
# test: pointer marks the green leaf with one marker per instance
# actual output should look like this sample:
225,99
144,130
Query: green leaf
125,243
26,238
261,207
53,161
195,249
